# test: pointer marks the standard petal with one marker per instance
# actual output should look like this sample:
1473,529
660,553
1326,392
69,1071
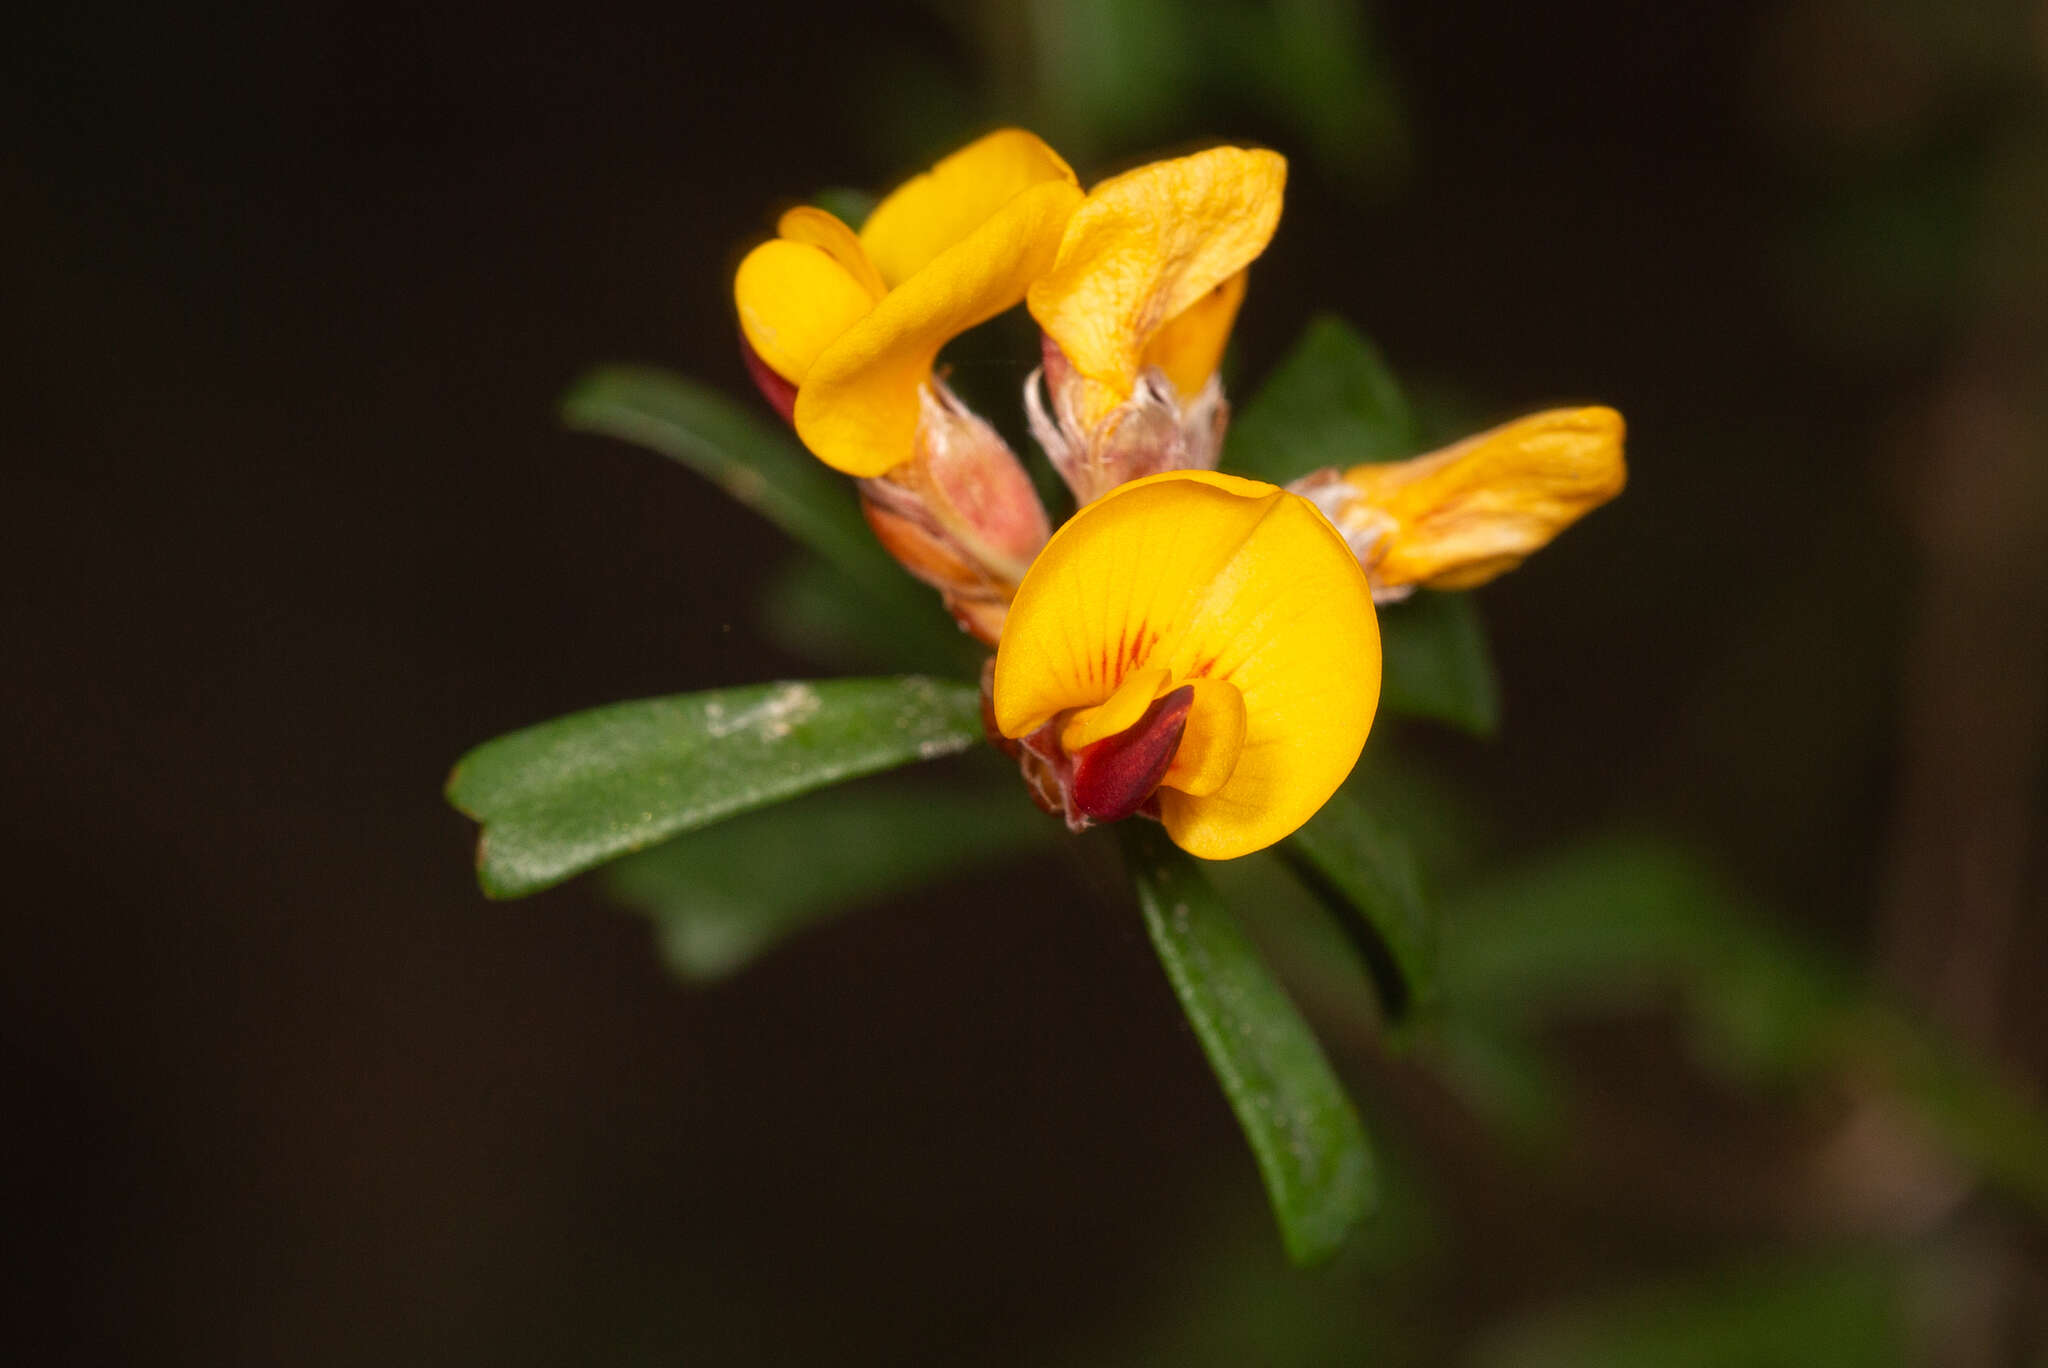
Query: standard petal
1146,247
928,214
795,299
1209,577
857,408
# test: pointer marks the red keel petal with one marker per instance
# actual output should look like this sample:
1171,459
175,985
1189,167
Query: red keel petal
1114,776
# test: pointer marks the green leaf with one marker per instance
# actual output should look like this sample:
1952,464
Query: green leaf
1330,402
754,462
559,798
1436,663
1367,875
1307,1137
721,896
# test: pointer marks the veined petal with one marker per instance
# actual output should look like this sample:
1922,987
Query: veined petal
928,214
1208,577
1143,249
823,229
795,299
1458,517
1190,347
857,407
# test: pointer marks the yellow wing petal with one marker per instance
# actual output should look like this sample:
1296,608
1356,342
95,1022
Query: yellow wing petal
1116,712
857,407
930,213
824,230
1146,247
1190,347
1209,577
1212,742
795,300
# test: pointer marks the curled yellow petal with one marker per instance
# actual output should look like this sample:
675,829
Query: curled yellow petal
1214,740
1209,578
1143,249
857,406
1116,712
1458,517
823,229
1190,347
795,299
928,214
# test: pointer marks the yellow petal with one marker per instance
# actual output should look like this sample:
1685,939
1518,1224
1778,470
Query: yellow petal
823,230
1208,577
1190,347
1213,741
930,213
1115,713
795,300
857,407
1461,516
1146,247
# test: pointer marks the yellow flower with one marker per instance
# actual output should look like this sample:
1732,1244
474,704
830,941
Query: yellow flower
1136,310
855,321
1198,645
1151,267
1459,517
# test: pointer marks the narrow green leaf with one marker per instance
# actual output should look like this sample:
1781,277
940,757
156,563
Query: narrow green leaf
753,461
559,798
1307,1137
722,896
1330,402
1367,875
1436,663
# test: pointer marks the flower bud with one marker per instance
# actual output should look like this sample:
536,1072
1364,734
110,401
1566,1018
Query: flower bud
961,514
1459,517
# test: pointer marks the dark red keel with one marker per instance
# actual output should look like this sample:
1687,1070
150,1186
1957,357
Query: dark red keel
1114,777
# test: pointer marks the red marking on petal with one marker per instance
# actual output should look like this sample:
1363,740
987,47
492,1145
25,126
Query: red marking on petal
773,387
1114,777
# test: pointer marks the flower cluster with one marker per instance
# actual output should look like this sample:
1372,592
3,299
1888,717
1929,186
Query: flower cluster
1191,646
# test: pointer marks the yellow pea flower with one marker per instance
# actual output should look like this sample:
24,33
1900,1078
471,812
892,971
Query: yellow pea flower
1459,517
1196,646
1136,309
854,322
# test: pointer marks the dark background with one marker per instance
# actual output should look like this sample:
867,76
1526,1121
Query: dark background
292,524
